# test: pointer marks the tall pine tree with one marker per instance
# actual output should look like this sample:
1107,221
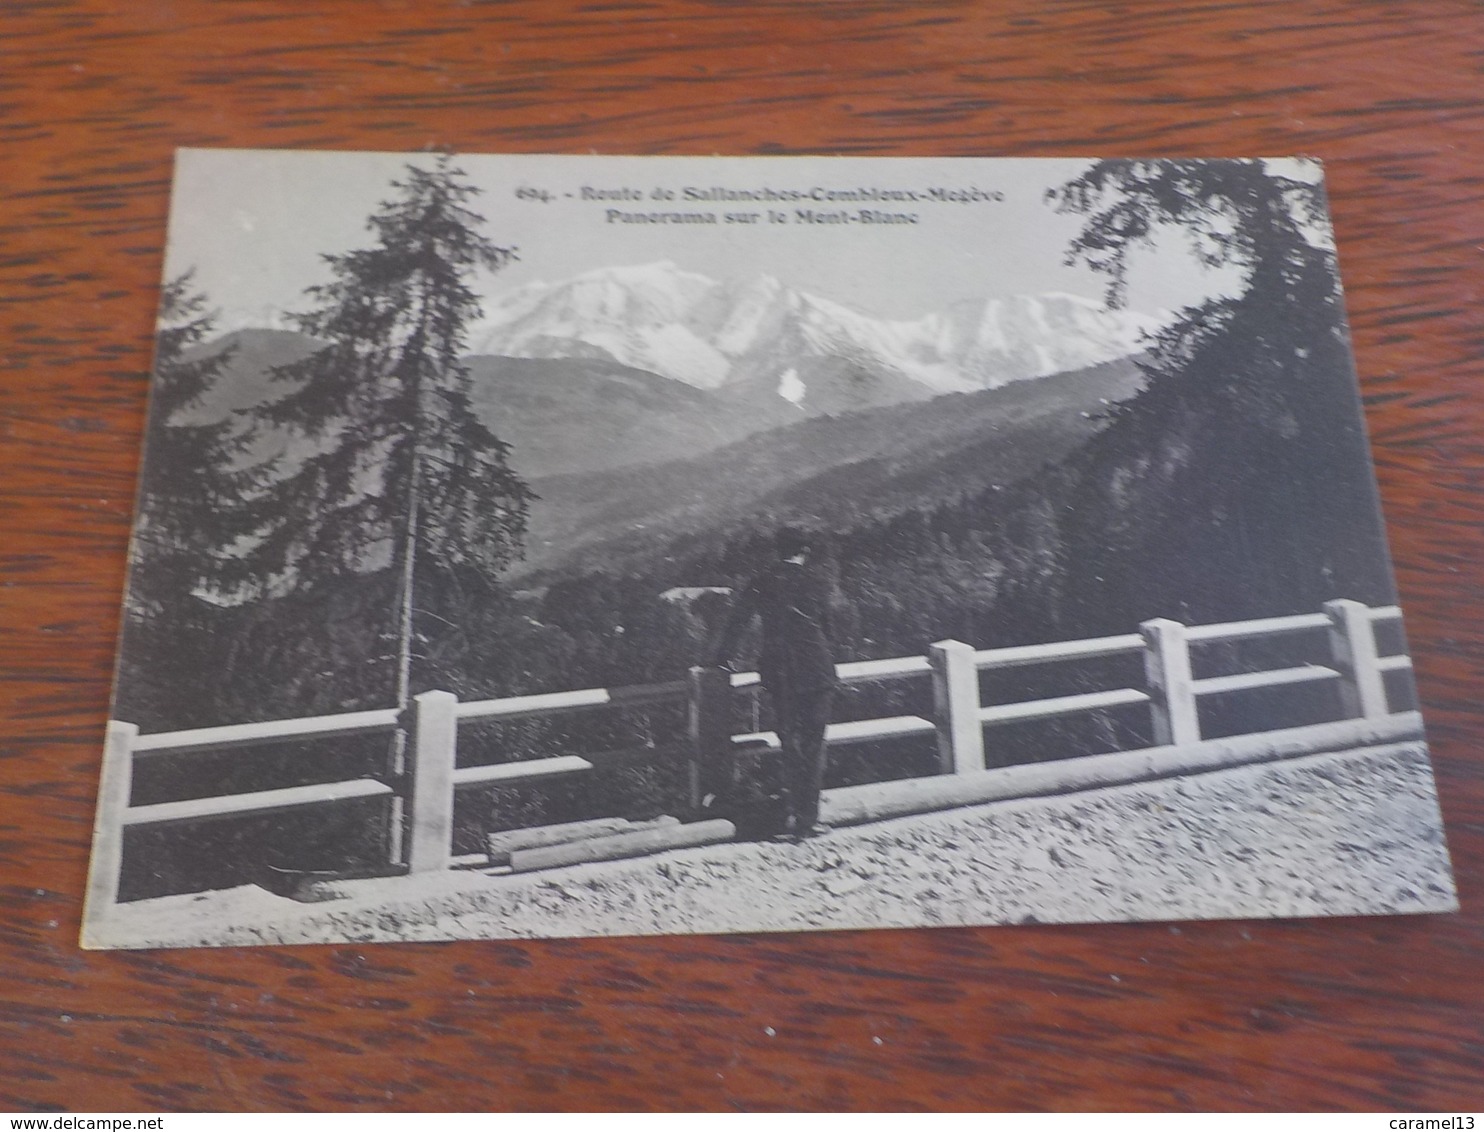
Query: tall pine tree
1237,483
395,471
196,483
198,494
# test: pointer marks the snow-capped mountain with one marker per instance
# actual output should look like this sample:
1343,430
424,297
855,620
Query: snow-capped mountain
637,316
763,334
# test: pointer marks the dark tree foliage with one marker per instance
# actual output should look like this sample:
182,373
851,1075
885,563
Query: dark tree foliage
196,491
198,498
1237,483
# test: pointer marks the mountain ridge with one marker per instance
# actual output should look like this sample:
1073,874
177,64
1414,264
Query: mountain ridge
711,334
558,415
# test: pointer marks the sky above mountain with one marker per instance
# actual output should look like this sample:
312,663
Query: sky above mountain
254,225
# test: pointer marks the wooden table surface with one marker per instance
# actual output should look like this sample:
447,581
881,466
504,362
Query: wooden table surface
1383,1013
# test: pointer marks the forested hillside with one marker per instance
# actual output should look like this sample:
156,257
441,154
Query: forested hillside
836,473
1238,484
567,416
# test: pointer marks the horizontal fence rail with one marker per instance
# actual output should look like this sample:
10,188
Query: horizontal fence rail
587,699
876,801
258,802
1062,705
1273,678
1023,655
274,731
424,794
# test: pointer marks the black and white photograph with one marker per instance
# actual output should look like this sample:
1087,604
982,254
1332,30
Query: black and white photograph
558,546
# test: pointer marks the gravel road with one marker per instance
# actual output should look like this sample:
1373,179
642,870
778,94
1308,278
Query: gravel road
1344,833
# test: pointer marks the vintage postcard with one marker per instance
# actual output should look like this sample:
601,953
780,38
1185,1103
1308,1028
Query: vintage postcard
565,546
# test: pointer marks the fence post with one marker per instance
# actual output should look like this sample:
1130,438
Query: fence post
709,724
434,747
114,786
1171,687
1352,644
956,707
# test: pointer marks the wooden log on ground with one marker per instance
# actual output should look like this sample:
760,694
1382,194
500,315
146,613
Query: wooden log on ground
621,845
851,805
506,842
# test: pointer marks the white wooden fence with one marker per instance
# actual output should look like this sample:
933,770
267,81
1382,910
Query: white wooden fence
425,793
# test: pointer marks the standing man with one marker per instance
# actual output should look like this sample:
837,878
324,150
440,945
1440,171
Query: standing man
792,598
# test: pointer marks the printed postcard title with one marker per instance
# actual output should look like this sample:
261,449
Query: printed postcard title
816,205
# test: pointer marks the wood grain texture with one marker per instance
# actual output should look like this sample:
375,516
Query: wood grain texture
94,96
